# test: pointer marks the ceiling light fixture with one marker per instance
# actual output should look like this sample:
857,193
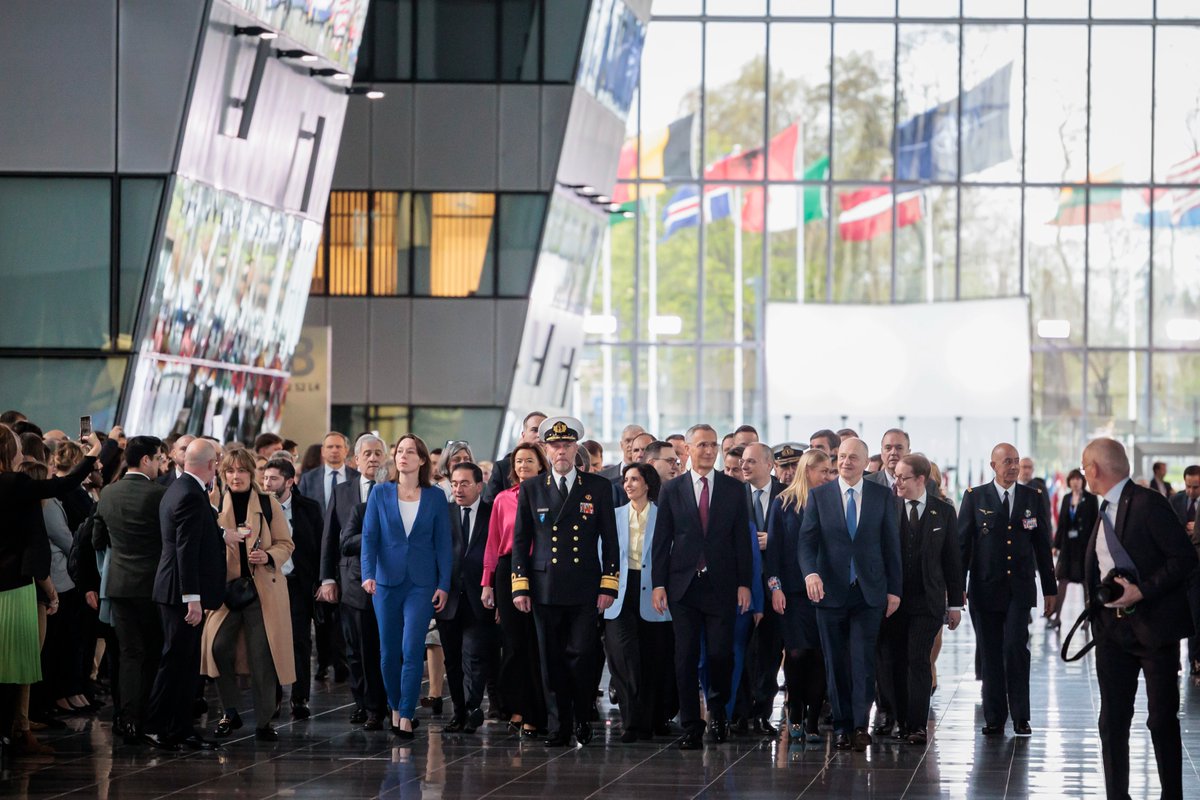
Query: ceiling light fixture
255,30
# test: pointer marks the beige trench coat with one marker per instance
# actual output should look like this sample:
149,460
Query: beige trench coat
270,582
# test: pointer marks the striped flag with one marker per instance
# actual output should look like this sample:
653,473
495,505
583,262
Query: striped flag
1184,202
868,212
684,209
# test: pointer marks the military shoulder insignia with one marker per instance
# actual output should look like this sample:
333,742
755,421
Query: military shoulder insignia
968,490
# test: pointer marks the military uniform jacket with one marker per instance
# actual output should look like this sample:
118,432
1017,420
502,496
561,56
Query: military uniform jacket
1000,556
565,553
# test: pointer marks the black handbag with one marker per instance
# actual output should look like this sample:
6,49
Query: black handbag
241,591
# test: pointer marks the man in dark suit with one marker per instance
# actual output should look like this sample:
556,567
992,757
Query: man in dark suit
1159,480
1140,542
175,451
319,484
304,519
850,557
628,434
637,455
566,518
469,637
1003,533
341,576
529,435
760,679
932,569
126,524
190,579
1185,506
702,565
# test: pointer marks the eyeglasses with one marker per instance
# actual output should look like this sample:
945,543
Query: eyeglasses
902,478
672,461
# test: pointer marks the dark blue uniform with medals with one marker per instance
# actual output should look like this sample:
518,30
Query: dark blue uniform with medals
565,555
1001,558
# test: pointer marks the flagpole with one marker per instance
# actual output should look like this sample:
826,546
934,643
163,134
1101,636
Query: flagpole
801,288
738,355
928,244
652,308
606,367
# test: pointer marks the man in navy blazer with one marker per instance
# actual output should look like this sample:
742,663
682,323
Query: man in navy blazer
702,565
850,557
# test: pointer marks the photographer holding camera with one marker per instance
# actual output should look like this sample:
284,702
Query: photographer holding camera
1138,563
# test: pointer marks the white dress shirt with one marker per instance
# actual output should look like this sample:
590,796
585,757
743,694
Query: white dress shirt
570,476
474,516
341,473
697,487
858,487
764,500
921,503
1012,493
363,491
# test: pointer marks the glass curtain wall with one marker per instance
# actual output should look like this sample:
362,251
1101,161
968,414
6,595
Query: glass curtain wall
899,151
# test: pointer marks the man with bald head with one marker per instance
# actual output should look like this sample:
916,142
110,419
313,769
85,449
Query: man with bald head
1141,543
189,581
1003,532
850,557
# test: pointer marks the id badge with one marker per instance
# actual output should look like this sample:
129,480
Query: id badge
1073,533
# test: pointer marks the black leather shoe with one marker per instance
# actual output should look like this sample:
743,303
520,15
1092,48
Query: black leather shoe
159,742
322,674
228,724
583,733
901,733
720,730
267,734
474,720
197,742
692,740
992,730
560,739
437,706
359,716
883,725
612,695
401,734
842,742
862,740
919,736
300,711
739,727
373,723
1022,729
763,727
455,725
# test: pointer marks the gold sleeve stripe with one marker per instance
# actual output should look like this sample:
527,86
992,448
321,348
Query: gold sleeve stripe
520,584
609,582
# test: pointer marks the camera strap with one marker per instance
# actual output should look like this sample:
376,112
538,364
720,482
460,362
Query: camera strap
1083,651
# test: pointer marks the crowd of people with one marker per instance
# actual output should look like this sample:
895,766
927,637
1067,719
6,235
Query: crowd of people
698,567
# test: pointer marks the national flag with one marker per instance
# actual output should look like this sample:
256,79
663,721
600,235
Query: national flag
684,209
927,144
1174,208
1077,205
868,212
623,214
666,152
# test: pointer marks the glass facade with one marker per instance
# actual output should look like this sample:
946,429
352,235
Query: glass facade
905,151
428,244
475,41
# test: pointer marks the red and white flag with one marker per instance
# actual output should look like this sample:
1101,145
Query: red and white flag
867,213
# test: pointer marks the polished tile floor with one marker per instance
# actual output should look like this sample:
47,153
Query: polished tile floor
324,757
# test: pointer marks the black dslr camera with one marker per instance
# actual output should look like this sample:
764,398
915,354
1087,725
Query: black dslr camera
1110,591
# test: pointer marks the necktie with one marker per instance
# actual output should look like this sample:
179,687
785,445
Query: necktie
913,518
562,487
466,525
1120,556
702,563
1005,508
1191,512
759,523
332,483
851,527
370,486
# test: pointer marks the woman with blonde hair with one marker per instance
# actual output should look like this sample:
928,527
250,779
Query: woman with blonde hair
803,664
252,631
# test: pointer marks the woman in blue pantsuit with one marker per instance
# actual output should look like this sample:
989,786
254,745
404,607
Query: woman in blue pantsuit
406,562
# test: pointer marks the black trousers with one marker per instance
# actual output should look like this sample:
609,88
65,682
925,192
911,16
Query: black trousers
1193,594
364,659
302,604
520,672
140,642
848,637
61,664
169,713
804,673
904,674
471,651
638,655
697,613
1119,659
567,644
1003,638
762,660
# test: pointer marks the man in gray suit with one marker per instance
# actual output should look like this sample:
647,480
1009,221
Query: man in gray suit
631,432
895,446
127,524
